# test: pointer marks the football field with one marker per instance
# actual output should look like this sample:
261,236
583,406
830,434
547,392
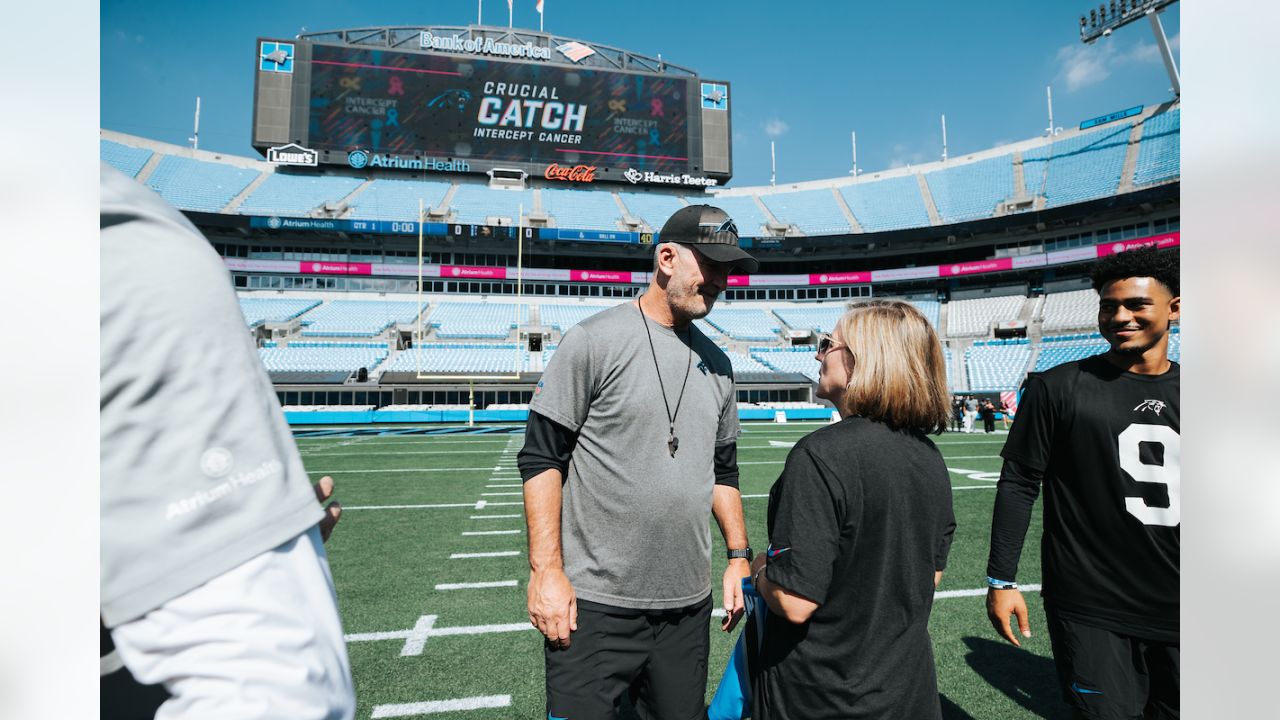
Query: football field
429,562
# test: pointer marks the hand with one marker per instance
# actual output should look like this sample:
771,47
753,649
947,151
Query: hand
734,604
553,606
1003,603
332,511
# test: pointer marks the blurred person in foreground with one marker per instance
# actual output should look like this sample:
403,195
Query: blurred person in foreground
215,587
1103,437
860,526
631,447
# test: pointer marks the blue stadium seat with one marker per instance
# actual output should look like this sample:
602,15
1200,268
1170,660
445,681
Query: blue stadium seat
582,209
297,195
1159,154
1078,168
651,208
745,324
795,359
563,317
300,357
359,318
971,190
474,203
128,160
198,185
887,204
815,212
444,358
277,310
997,365
456,320
397,200
822,319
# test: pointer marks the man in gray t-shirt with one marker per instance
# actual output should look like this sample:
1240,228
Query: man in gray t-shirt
631,445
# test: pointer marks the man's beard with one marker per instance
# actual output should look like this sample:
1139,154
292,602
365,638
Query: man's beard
690,302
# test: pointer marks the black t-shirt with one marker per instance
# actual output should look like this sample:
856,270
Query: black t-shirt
859,521
1108,444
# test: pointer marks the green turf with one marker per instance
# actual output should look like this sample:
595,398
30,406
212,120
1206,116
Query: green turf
387,563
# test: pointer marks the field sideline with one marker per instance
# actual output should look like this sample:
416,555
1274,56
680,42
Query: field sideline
429,563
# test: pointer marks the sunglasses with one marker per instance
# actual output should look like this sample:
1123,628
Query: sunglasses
826,343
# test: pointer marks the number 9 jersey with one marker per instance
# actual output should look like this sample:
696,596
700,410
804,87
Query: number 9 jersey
1108,444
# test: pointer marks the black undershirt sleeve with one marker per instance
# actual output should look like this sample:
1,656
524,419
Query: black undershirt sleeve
727,464
1016,493
547,445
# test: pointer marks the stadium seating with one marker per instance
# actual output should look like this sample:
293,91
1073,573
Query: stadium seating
1159,154
301,357
432,358
397,199
456,320
276,310
815,212
563,317
197,184
745,364
995,365
971,190
946,356
651,208
930,309
128,160
359,318
1175,344
707,329
1078,168
1055,351
745,324
581,209
887,204
297,195
1070,310
795,359
973,317
822,319
474,203
743,209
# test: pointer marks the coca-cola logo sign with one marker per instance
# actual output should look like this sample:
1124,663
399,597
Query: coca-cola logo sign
575,173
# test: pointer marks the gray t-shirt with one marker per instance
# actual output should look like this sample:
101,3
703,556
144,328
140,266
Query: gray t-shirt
199,470
635,522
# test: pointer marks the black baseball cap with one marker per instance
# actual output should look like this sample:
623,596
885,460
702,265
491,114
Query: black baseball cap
711,231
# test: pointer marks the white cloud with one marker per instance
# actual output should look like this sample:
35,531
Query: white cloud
1084,65
903,156
776,127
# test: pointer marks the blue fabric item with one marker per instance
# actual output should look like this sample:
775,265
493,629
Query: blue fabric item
732,700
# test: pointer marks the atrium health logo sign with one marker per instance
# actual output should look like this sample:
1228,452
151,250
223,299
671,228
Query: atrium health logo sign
358,159
274,222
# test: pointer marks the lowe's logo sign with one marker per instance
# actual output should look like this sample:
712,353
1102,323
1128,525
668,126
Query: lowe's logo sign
360,159
293,154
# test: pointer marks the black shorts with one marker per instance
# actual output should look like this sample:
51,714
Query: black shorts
657,658
1105,674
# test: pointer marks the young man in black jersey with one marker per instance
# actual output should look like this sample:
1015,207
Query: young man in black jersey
1102,435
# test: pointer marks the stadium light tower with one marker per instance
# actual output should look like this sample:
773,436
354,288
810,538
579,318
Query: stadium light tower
1107,19
195,134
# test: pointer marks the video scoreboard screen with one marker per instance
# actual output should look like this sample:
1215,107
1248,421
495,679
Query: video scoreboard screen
437,112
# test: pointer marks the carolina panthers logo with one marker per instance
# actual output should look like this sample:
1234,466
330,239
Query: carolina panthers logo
451,100
714,229
1154,406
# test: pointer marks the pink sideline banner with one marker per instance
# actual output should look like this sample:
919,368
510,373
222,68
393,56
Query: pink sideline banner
840,278
970,268
1167,240
335,268
473,273
600,276
739,280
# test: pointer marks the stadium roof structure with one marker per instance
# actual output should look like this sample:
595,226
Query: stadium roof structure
409,38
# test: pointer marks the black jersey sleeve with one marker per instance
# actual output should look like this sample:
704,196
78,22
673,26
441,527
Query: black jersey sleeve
727,464
1016,493
945,534
1031,437
547,445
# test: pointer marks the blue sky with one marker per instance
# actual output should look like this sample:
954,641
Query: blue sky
804,74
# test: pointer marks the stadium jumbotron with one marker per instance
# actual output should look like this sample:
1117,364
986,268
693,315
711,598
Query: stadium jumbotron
423,212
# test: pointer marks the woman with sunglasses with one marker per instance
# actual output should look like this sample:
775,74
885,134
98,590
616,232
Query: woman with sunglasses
860,525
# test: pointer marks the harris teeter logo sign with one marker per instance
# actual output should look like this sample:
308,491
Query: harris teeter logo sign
635,177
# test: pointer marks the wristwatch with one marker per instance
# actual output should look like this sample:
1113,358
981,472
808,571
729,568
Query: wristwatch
745,553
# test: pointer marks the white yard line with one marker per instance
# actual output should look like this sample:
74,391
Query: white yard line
502,485
500,553
474,505
493,532
494,517
431,707
477,585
